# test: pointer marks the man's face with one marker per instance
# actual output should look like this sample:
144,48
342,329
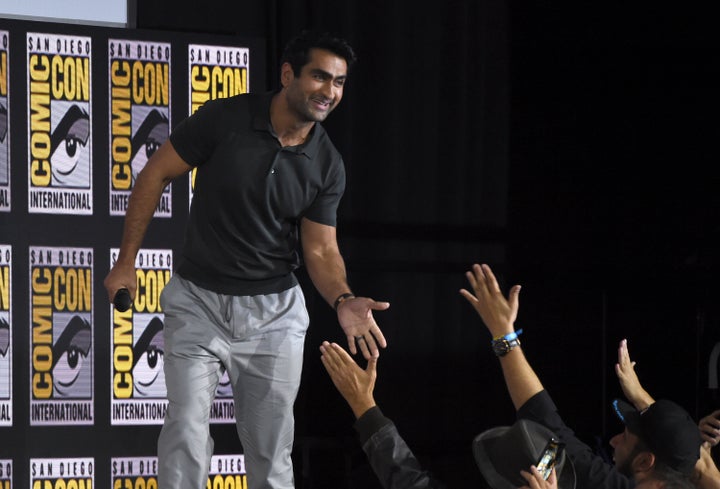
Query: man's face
624,451
318,89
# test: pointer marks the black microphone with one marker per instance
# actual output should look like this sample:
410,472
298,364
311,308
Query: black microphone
122,301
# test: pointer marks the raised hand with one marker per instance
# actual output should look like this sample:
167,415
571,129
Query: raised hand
497,312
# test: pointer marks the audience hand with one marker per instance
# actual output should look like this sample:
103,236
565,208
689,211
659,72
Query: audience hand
535,480
629,381
497,313
354,384
710,428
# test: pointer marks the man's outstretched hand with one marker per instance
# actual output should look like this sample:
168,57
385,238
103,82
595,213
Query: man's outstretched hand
356,319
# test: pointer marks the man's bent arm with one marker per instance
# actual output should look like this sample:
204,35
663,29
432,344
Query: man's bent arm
323,260
160,170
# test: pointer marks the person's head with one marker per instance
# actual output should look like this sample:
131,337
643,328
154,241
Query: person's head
502,452
297,52
313,71
661,443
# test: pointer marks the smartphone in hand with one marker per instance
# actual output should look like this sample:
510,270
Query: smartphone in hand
549,457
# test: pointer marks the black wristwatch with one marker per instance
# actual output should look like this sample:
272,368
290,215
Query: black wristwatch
502,345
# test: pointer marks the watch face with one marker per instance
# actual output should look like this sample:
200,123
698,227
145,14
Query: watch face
501,347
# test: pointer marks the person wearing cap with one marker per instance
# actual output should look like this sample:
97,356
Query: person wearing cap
504,455
658,448
707,475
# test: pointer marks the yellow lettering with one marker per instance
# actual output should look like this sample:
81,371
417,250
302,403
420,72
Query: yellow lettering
122,354
121,125
39,67
4,288
150,83
150,286
42,332
72,289
71,78
3,73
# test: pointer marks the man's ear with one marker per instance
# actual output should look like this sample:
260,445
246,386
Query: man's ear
644,462
286,74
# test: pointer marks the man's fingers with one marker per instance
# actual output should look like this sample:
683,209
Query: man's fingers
351,344
365,347
378,336
514,297
490,278
469,296
332,355
372,367
471,279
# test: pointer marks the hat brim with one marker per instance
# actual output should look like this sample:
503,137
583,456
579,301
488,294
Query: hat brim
627,414
483,445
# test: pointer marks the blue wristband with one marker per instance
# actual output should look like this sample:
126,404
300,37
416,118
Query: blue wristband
511,336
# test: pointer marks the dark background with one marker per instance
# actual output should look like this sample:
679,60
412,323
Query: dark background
572,146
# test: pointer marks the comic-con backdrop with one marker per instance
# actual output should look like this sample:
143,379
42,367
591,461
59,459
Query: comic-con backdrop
82,108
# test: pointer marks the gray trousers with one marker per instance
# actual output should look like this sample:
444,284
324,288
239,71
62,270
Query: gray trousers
259,340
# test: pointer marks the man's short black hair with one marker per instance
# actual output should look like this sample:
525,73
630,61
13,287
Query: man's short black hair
297,51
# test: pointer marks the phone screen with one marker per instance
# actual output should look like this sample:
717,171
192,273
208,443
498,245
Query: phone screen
549,457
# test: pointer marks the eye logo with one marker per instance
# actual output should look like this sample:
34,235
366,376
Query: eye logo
4,337
3,123
150,135
148,356
70,357
4,170
68,143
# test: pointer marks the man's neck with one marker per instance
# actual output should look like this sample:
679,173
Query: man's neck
289,130
648,482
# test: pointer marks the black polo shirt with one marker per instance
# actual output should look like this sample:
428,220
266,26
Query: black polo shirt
250,194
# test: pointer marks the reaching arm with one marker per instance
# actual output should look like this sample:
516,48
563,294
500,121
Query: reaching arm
706,472
629,381
160,170
499,314
326,268
526,391
390,457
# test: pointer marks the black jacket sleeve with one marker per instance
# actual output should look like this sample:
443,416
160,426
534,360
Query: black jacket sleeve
592,472
389,456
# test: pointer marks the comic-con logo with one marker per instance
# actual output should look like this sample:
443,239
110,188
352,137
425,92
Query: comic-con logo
215,72
139,116
226,472
5,336
137,377
4,124
59,128
134,473
62,473
61,359
6,473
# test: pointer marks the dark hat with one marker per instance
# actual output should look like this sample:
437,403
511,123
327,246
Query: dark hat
668,431
502,452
